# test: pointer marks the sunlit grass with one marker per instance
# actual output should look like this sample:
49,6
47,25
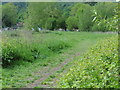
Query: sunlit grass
58,42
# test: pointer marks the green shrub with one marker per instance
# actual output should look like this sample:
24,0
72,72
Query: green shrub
56,46
15,51
18,49
98,68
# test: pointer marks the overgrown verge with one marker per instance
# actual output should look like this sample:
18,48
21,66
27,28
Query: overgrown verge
98,68
20,49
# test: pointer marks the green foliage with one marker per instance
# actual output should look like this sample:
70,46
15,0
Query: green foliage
80,17
24,49
42,15
57,46
98,68
100,26
9,19
0,12
93,18
91,3
88,16
72,23
0,16
105,9
17,74
105,17
15,51
65,9
84,15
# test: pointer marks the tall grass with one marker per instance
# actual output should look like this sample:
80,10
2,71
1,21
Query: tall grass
23,45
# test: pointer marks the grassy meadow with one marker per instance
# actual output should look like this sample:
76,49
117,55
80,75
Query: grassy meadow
27,54
59,45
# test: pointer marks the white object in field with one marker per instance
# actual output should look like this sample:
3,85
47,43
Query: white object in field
0,31
39,29
60,29
6,28
33,29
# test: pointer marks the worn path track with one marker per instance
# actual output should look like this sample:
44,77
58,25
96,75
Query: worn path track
46,72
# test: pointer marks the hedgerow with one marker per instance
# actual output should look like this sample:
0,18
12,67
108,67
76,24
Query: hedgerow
98,68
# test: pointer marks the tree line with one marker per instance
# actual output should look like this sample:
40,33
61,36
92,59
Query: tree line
102,16
13,13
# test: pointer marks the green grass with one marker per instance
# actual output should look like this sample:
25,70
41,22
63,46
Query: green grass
54,48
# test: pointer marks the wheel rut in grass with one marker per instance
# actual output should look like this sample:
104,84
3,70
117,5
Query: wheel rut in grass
47,71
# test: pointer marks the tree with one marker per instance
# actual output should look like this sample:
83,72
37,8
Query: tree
80,17
0,16
91,3
43,14
9,15
48,15
72,23
104,19
21,10
84,14
64,8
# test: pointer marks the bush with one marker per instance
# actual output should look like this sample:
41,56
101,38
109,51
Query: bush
98,68
18,49
57,46
15,51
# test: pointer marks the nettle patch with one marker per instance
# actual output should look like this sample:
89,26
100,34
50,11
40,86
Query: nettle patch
98,68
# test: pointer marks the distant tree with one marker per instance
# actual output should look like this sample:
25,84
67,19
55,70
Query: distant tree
103,16
53,15
0,16
84,14
91,3
72,23
42,14
64,8
48,15
21,10
80,17
9,15
105,9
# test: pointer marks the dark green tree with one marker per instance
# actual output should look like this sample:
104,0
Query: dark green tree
80,17
104,16
9,15
43,14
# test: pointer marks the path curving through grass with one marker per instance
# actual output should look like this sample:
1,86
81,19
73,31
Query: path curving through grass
45,72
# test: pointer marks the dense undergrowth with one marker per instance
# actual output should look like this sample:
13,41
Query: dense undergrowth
98,68
29,48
